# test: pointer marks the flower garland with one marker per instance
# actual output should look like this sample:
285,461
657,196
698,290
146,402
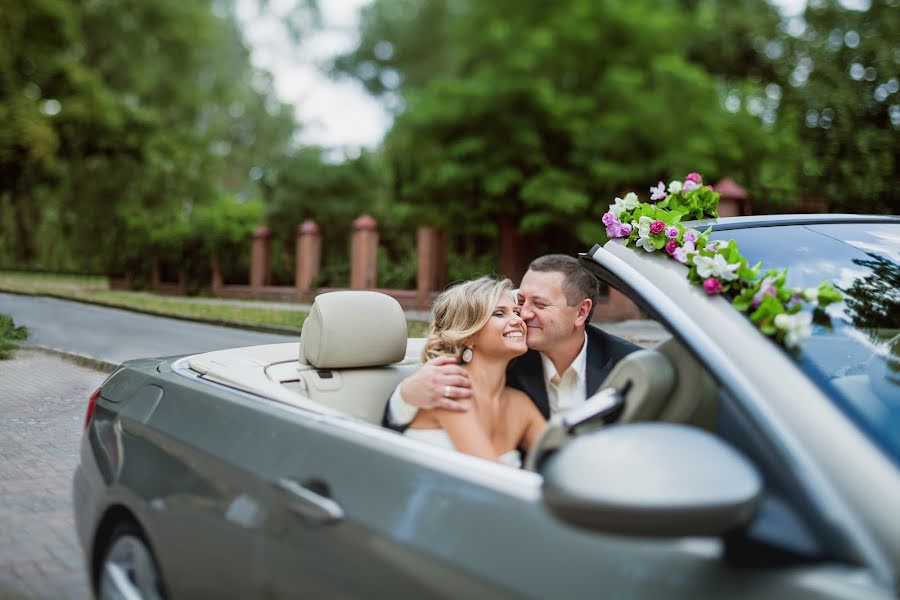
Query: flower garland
718,266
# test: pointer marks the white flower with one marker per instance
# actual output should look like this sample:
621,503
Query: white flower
812,295
658,192
646,243
642,226
617,207
797,327
716,267
681,253
690,186
675,187
631,201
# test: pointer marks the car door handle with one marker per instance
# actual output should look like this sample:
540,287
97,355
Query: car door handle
309,504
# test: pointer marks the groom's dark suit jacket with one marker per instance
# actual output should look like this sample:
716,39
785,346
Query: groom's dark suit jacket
526,372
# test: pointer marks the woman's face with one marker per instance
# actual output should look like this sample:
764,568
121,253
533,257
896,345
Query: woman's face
504,334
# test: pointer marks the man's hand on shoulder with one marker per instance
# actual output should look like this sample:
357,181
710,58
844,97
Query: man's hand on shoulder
440,383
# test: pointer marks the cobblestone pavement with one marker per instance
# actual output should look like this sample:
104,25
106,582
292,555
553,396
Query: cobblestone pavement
42,404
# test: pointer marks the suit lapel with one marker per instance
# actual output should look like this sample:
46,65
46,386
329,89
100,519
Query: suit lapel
598,365
527,374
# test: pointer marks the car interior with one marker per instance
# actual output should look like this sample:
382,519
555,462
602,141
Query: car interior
354,351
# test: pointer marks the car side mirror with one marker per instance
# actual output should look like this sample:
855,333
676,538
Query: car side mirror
651,479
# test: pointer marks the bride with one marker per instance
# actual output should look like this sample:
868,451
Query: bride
478,322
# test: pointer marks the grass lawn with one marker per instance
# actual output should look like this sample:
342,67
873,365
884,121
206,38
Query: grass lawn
96,289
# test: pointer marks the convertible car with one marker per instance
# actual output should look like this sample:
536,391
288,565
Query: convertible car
715,463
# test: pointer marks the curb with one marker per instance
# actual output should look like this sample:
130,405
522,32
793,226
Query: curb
82,360
205,320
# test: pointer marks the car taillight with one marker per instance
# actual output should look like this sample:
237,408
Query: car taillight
90,409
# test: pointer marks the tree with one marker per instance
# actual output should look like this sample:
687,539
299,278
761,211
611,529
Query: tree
842,78
828,79
307,186
538,115
118,119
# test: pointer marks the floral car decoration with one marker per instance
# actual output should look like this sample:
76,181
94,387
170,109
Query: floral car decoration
718,266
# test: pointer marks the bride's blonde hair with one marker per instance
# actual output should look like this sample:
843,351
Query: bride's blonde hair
460,312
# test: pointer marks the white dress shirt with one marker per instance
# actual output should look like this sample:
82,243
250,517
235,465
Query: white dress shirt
569,389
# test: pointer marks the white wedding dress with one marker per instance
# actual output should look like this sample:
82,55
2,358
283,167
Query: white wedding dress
439,437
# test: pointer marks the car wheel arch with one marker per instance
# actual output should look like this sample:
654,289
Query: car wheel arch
112,520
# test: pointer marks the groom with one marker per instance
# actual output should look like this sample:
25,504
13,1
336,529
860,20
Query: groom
567,358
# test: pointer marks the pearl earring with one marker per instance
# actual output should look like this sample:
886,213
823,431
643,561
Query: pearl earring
466,356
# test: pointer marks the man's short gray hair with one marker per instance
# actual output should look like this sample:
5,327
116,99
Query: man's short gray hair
578,283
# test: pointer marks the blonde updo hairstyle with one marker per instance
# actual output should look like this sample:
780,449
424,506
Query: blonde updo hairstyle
461,311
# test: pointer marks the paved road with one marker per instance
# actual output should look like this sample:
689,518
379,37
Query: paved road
114,335
42,404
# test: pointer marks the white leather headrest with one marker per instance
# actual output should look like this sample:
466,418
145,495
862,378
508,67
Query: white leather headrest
350,329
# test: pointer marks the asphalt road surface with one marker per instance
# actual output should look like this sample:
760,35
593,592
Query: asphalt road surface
114,336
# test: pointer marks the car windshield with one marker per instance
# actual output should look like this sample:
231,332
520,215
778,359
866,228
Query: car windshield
855,359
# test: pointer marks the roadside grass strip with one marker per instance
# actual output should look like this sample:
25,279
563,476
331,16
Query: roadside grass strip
95,290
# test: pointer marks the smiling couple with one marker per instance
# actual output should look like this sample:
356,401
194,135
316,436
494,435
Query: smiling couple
499,362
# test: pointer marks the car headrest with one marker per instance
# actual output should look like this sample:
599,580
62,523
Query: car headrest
351,329
645,378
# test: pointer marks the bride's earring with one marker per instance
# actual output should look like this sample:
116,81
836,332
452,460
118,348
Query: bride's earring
466,356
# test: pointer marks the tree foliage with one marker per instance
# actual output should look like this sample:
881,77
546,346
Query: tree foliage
541,113
119,119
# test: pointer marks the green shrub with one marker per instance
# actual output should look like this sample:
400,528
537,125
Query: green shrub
9,335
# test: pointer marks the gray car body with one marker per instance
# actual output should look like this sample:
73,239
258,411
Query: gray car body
200,467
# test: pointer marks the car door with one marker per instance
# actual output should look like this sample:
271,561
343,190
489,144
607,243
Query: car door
407,519
183,449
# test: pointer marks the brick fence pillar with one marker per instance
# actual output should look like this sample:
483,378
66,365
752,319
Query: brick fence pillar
510,250
621,307
260,257
734,200
364,253
431,271
308,255
216,279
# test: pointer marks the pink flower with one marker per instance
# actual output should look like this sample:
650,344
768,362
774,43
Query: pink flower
690,186
695,177
658,192
709,187
671,246
766,288
671,232
690,236
712,246
618,230
712,286
657,227
609,218
682,253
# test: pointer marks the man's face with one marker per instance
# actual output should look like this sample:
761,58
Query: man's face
548,317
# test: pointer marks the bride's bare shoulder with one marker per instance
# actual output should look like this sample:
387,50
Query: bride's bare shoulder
514,396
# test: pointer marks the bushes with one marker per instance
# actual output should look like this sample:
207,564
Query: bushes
10,335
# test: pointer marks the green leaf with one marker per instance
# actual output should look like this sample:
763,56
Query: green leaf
659,240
